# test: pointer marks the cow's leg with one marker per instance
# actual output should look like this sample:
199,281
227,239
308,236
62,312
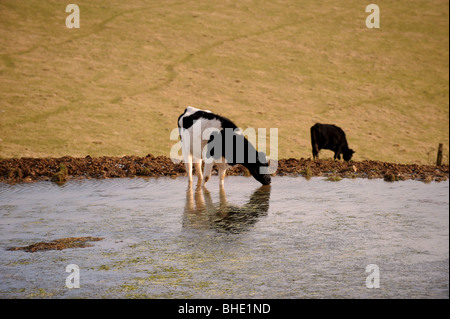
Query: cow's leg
222,172
207,171
315,151
337,154
188,163
198,171
314,145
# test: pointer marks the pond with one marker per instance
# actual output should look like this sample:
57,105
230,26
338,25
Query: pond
297,238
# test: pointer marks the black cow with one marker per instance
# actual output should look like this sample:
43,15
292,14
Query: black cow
330,137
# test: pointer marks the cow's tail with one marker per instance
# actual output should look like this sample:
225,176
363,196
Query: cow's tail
180,127
314,145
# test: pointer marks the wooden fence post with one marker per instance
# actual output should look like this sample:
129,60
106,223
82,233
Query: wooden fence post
439,155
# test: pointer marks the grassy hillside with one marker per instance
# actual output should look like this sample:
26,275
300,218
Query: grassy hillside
117,84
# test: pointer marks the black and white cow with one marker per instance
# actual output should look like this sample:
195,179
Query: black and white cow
212,138
330,137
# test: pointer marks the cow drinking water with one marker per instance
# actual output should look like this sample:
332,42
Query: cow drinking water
212,138
330,137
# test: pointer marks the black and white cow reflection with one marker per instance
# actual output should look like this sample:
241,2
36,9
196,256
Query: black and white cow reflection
201,213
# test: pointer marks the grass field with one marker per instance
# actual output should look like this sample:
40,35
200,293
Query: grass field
116,85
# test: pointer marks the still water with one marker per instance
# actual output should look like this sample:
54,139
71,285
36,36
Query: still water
297,238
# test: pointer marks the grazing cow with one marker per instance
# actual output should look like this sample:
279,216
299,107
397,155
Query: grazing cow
215,139
330,137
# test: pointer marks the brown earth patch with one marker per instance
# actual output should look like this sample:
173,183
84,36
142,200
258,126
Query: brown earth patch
18,170
59,244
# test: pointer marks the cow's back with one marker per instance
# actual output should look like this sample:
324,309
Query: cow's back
327,135
188,125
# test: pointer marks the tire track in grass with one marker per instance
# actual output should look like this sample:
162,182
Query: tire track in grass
95,29
171,68
8,60
171,72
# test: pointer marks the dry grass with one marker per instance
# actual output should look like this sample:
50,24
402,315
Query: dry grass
117,85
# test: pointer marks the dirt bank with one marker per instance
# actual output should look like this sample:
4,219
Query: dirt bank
59,244
64,168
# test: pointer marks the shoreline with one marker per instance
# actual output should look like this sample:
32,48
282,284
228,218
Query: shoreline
24,170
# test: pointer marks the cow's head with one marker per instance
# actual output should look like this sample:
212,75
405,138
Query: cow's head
347,154
260,169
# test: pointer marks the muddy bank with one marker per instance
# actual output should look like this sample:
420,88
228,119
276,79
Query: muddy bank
61,169
364,169
59,244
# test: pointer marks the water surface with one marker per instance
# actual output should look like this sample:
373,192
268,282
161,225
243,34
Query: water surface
297,238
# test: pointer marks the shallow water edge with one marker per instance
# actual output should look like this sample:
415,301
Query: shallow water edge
297,238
